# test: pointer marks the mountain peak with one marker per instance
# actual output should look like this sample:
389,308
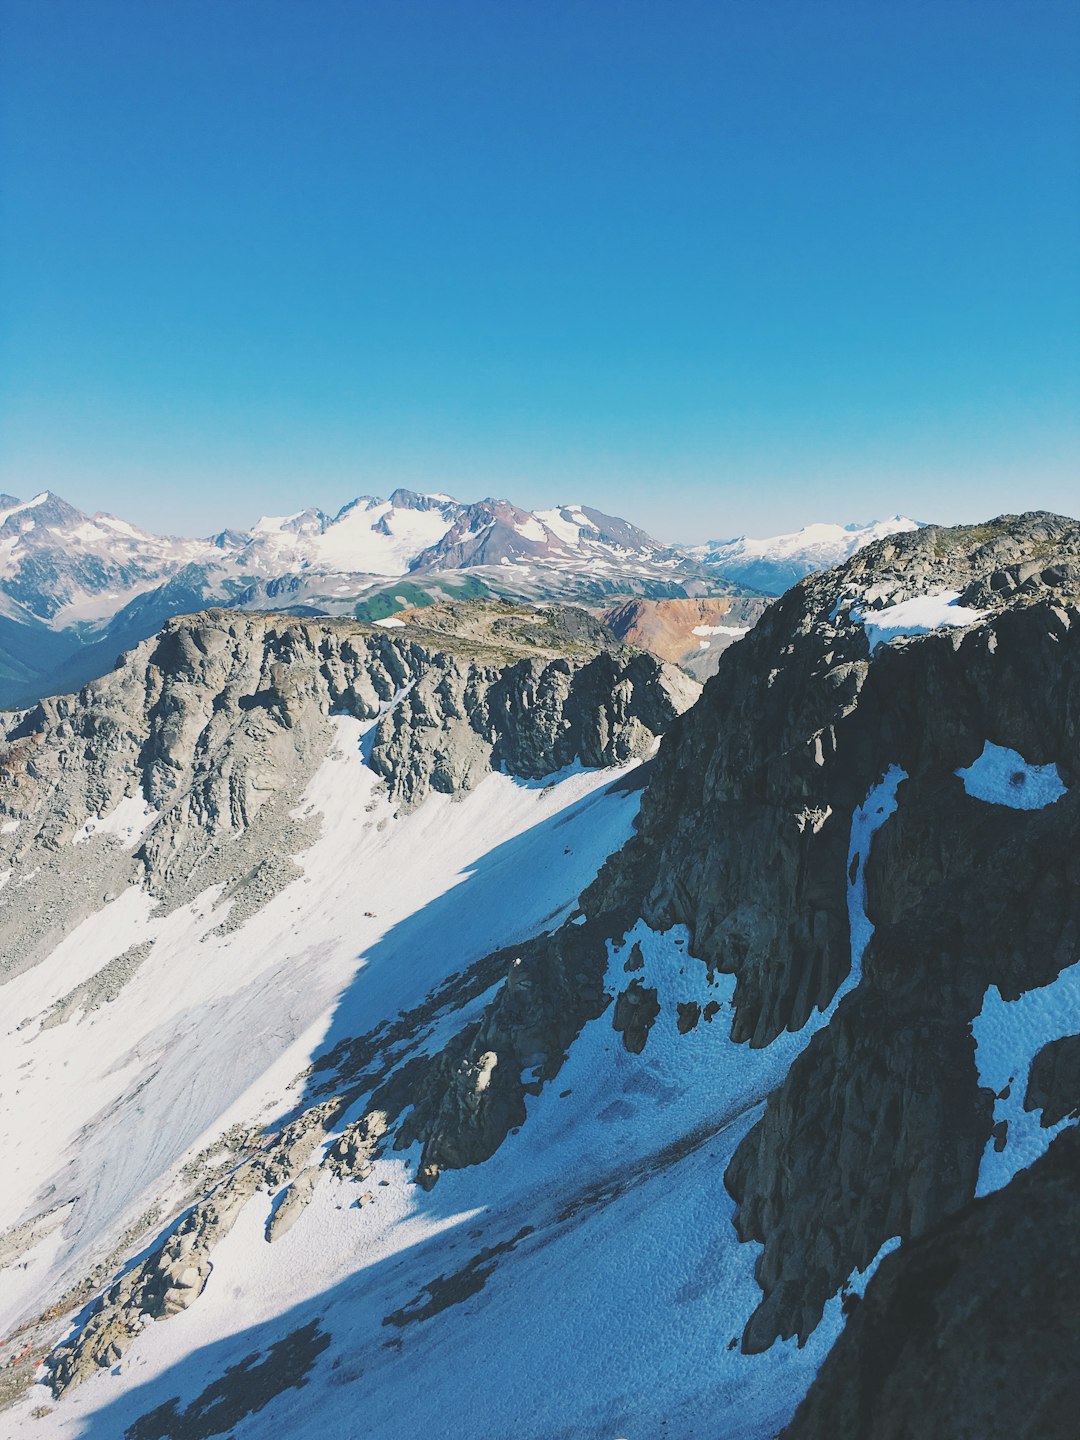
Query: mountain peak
775,562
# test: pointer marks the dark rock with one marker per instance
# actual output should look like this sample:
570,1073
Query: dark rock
1054,1081
636,1008
969,1332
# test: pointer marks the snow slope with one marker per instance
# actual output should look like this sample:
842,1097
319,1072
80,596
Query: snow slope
367,536
214,1026
593,1259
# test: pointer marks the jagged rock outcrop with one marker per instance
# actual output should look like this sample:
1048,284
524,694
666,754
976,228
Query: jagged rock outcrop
173,1276
466,1101
205,736
1054,1082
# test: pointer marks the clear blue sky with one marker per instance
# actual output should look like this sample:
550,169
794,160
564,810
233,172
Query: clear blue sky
715,266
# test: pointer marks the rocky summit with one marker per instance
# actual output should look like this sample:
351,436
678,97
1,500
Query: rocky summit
456,1025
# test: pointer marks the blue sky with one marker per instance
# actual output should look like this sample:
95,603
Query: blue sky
718,267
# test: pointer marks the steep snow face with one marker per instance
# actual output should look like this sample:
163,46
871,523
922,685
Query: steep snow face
595,1254
367,536
211,1027
776,562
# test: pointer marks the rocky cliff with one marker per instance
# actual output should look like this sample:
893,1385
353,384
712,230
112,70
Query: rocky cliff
192,753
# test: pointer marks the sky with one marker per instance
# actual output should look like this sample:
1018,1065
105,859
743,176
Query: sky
718,267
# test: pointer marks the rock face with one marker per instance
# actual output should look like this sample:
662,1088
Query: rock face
970,1331
192,753
690,633
745,837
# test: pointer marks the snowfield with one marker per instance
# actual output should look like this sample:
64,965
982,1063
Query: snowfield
593,1258
1001,776
213,1027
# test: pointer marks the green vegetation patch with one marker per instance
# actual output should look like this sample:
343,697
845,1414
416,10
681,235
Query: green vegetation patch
405,595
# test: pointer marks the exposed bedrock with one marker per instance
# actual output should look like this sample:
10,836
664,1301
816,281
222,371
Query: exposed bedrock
1054,1083
211,730
970,1331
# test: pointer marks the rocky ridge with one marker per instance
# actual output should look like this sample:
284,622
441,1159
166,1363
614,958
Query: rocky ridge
203,738
76,589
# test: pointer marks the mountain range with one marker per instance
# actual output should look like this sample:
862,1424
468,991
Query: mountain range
77,590
773,564
470,1025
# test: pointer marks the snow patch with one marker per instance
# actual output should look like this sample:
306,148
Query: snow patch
1008,1035
1001,776
867,820
915,617
23,506
129,822
531,529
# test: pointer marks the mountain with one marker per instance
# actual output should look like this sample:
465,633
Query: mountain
398,1037
366,537
774,564
76,590
494,532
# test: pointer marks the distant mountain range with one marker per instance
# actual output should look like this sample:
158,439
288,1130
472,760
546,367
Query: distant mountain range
776,563
76,590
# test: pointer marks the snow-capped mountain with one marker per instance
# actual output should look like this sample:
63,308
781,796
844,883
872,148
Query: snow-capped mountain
495,532
368,536
777,562
66,568
76,589
450,1027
